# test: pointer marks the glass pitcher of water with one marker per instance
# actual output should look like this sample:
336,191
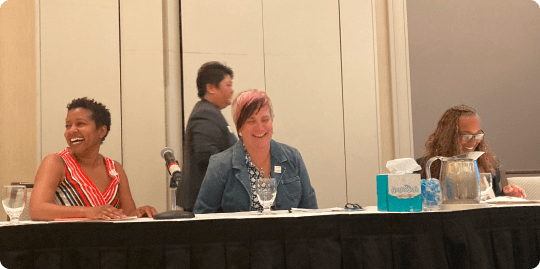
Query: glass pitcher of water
459,178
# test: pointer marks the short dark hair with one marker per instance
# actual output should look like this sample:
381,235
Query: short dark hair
99,113
211,73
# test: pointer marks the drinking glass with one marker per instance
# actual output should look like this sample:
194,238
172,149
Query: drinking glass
13,200
486,184
266,189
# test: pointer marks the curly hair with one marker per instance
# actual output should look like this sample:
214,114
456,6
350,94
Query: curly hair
444,141
99,113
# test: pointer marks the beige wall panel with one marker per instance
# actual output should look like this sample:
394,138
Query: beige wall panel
79,57
384,84
401,86
314,124
231,26
17,93
303,78
226,31
143,101
142,25
248,74
301,27
143,116
360,98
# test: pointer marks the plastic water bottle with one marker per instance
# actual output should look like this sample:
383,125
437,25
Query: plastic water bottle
431,195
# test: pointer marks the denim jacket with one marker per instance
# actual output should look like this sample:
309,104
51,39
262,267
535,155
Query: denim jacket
226,186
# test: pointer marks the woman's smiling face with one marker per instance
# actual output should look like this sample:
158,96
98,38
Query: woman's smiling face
468,125
258,129
81,132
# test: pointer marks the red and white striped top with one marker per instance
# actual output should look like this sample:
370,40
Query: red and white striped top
78,190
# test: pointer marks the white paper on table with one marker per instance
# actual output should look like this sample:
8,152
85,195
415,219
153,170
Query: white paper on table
332,209
507,199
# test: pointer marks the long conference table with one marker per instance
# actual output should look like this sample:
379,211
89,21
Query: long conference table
495,237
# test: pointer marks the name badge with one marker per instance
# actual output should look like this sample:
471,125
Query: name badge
277,169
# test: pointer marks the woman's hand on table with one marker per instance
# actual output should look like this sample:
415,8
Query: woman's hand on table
105,212
146,210
515,191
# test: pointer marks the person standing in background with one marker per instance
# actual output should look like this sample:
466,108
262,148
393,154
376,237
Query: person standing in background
207,131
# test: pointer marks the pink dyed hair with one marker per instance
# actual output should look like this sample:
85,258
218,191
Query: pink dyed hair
242,106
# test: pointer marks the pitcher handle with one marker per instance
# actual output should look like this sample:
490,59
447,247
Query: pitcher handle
428,165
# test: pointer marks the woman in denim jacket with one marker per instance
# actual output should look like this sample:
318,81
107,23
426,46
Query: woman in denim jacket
229,183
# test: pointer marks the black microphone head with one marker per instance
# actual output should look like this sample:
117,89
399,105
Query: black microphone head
165,150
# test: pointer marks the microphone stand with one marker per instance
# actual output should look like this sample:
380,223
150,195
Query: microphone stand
172,189
176,177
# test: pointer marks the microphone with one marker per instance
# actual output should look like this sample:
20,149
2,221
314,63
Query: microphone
176,176
172,166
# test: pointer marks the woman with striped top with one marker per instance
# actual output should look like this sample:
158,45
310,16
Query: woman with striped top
78,182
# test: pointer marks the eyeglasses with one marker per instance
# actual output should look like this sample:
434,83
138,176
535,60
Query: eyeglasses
468,137
351,206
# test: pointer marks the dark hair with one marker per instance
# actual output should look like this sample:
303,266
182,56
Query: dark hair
99,113
211,73
444,141
248,103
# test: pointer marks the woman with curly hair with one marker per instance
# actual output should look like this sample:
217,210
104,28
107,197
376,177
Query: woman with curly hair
458,132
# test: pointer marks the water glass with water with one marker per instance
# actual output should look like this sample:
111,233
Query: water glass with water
266,189
486,186
13,200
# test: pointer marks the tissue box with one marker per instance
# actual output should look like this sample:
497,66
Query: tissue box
399,193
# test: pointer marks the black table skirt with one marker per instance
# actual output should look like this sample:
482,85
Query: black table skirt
482,238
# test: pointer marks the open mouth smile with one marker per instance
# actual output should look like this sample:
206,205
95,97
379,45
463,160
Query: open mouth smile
77,140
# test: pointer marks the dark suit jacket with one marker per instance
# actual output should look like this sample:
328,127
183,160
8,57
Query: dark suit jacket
207,133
